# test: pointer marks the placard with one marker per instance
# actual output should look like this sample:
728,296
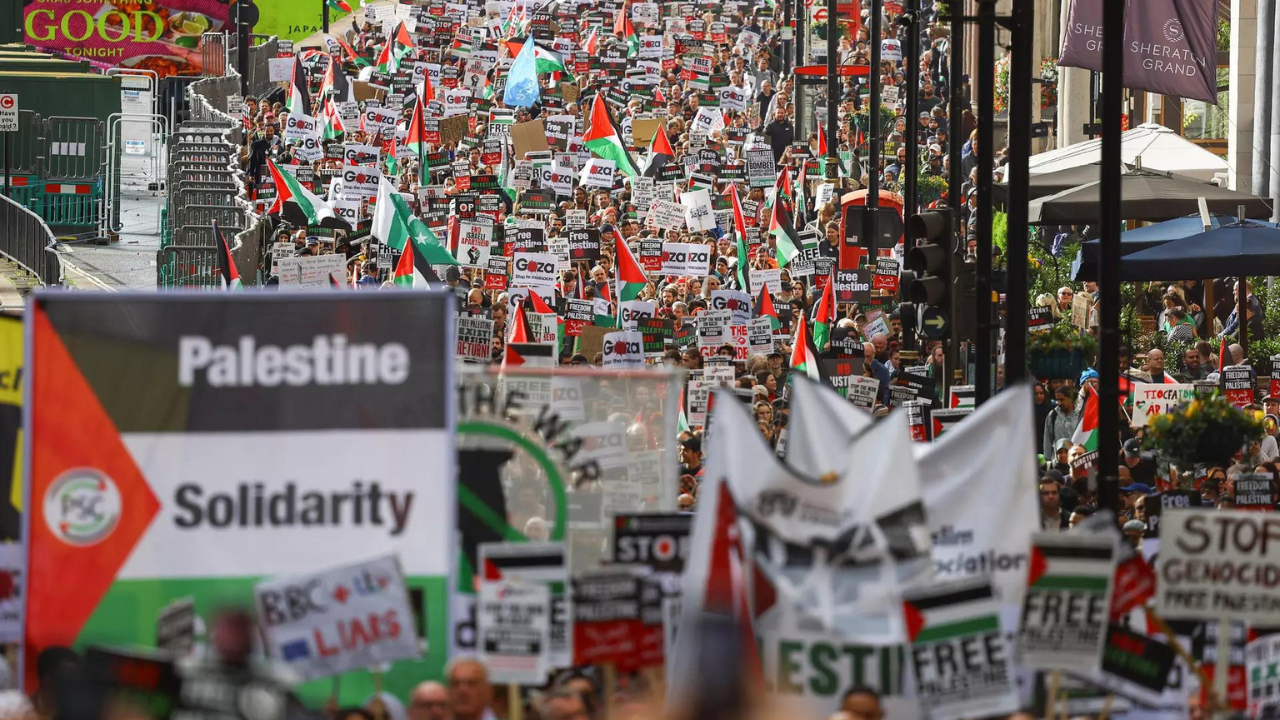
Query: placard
1219,564
1151,400
370,623
624,350
1237,384
686,259
536,271
961,666
513,624
584,244
1065,609
475,335
659,541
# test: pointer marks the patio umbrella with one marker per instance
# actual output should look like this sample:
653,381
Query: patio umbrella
1241,248
1085,266
1054,182
1147,196
1159,148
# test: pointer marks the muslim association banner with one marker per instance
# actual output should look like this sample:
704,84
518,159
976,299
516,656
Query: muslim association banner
1170,45
187,446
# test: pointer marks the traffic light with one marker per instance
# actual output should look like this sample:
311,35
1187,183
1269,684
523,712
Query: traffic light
930,259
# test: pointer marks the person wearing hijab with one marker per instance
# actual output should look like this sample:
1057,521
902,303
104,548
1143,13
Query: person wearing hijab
1043,405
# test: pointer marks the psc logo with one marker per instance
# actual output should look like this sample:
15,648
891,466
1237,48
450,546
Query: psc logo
82,507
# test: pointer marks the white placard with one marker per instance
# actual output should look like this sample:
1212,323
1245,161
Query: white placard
318,643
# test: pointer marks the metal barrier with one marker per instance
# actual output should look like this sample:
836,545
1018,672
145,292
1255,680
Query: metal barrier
25,150
27,240
75,148
203,176
179,267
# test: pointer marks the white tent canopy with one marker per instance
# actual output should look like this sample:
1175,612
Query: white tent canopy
1159,147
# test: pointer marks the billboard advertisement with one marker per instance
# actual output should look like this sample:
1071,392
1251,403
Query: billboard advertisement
159,35
192,446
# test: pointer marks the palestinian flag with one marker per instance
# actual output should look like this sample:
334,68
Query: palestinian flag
1086,433
545,62
623,28
334,84
347,49
288,189
518,331
786,242
415,140
631,278
542,308
660,153
333,126
726,590
394,50
339,5
605,140
742,272
413,270
824,317
951,611
804,356
739,221
395,224
764,308
528,355
299,98
226,263
428,90
822,141
781,189
1077,563
592,45
740,228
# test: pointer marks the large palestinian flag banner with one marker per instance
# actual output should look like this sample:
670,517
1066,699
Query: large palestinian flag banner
188,446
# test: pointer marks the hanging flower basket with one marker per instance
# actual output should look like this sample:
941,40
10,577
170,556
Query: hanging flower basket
1204,431
1061,353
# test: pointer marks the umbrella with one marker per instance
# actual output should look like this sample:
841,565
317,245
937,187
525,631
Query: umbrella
1053,182
1242,248
1085,266
1159,147
1146,196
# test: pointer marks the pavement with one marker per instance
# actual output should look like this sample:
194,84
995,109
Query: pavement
129,264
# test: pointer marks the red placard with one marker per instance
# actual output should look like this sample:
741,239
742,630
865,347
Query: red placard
494,281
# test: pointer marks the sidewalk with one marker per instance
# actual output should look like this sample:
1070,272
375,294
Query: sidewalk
15,285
